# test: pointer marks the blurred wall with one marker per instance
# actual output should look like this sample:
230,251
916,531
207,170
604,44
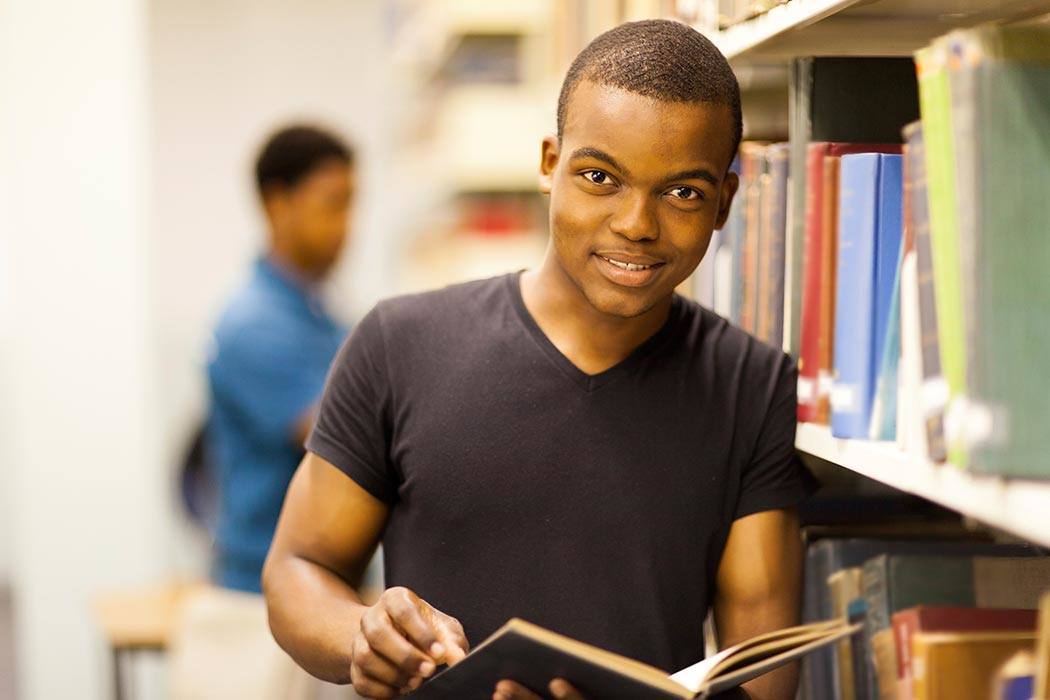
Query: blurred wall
80,451
127,131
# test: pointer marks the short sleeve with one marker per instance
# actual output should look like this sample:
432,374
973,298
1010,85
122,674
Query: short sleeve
775,477
351,431
267,378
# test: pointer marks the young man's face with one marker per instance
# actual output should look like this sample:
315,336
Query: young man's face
313,216
636,188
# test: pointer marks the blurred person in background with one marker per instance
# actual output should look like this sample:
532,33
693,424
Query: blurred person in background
272,347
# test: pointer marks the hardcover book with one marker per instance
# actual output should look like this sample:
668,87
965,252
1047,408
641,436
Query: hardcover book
533,656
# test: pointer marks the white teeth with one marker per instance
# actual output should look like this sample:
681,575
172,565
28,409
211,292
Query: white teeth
626,265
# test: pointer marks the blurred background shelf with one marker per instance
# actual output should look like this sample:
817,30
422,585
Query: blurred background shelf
857,28
1021,508
490,137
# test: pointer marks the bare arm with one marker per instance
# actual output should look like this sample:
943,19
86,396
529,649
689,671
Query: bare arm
303,425
759,589
328,530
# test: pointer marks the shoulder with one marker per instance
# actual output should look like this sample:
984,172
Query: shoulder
732,352
441,313
255,318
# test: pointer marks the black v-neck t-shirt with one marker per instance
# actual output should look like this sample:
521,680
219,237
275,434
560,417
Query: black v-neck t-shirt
519,486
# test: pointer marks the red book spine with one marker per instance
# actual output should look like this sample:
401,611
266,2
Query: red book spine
809,345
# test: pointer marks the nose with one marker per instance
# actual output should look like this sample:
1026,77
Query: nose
634,218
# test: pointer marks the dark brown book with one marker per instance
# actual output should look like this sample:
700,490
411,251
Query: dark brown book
533,656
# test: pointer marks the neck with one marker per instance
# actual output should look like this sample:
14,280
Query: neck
287,264
594,341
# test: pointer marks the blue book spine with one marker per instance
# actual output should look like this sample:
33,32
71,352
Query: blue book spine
887,246
854,296
888,243
1018,688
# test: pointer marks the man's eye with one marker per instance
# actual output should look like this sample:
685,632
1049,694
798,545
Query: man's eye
597,177
686,193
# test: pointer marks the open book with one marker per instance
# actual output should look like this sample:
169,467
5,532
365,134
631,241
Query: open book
533,656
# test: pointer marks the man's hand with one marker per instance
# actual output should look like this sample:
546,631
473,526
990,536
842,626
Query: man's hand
401,641
560,688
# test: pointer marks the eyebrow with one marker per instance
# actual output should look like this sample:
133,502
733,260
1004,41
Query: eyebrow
598,154
696,174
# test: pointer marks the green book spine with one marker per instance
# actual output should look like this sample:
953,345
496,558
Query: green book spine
895,582
934,104
1012,284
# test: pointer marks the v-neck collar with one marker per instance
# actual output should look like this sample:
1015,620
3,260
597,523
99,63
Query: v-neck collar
590,382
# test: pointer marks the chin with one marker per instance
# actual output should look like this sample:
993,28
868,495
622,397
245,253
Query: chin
624,304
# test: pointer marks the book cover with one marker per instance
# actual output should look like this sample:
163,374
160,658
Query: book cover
843,587
932,67
752,167
962,664
911,621
726,256
826,260
1015,679
826,556
532,656
894,582
1042,649
884,406
1005,426
818,270
933,389
771,259
869,243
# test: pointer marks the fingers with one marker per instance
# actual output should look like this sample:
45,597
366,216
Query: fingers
561,689
369,687
377,667
509,690
401,641
413,617
384,641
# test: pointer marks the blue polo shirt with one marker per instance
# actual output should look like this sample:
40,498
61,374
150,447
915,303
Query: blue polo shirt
273,345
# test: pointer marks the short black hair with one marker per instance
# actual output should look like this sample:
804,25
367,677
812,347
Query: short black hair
658,58
294,152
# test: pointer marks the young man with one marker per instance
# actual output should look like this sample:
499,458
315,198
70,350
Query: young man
274,343
575,444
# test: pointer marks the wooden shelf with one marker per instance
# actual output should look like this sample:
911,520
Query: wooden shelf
1018,507
858,27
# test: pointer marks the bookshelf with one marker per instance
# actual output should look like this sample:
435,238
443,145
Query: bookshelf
891,28
858,28
1021,508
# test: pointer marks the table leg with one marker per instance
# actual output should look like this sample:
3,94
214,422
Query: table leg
119,674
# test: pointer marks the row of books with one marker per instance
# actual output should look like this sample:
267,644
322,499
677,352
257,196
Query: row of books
939,618
909,280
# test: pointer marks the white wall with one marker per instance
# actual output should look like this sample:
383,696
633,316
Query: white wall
224,75
127,130
86,488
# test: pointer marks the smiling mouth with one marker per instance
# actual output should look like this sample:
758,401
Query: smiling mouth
628,266
628,274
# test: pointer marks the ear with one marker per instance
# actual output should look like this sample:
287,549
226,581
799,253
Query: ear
549,151
275,201
730,184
